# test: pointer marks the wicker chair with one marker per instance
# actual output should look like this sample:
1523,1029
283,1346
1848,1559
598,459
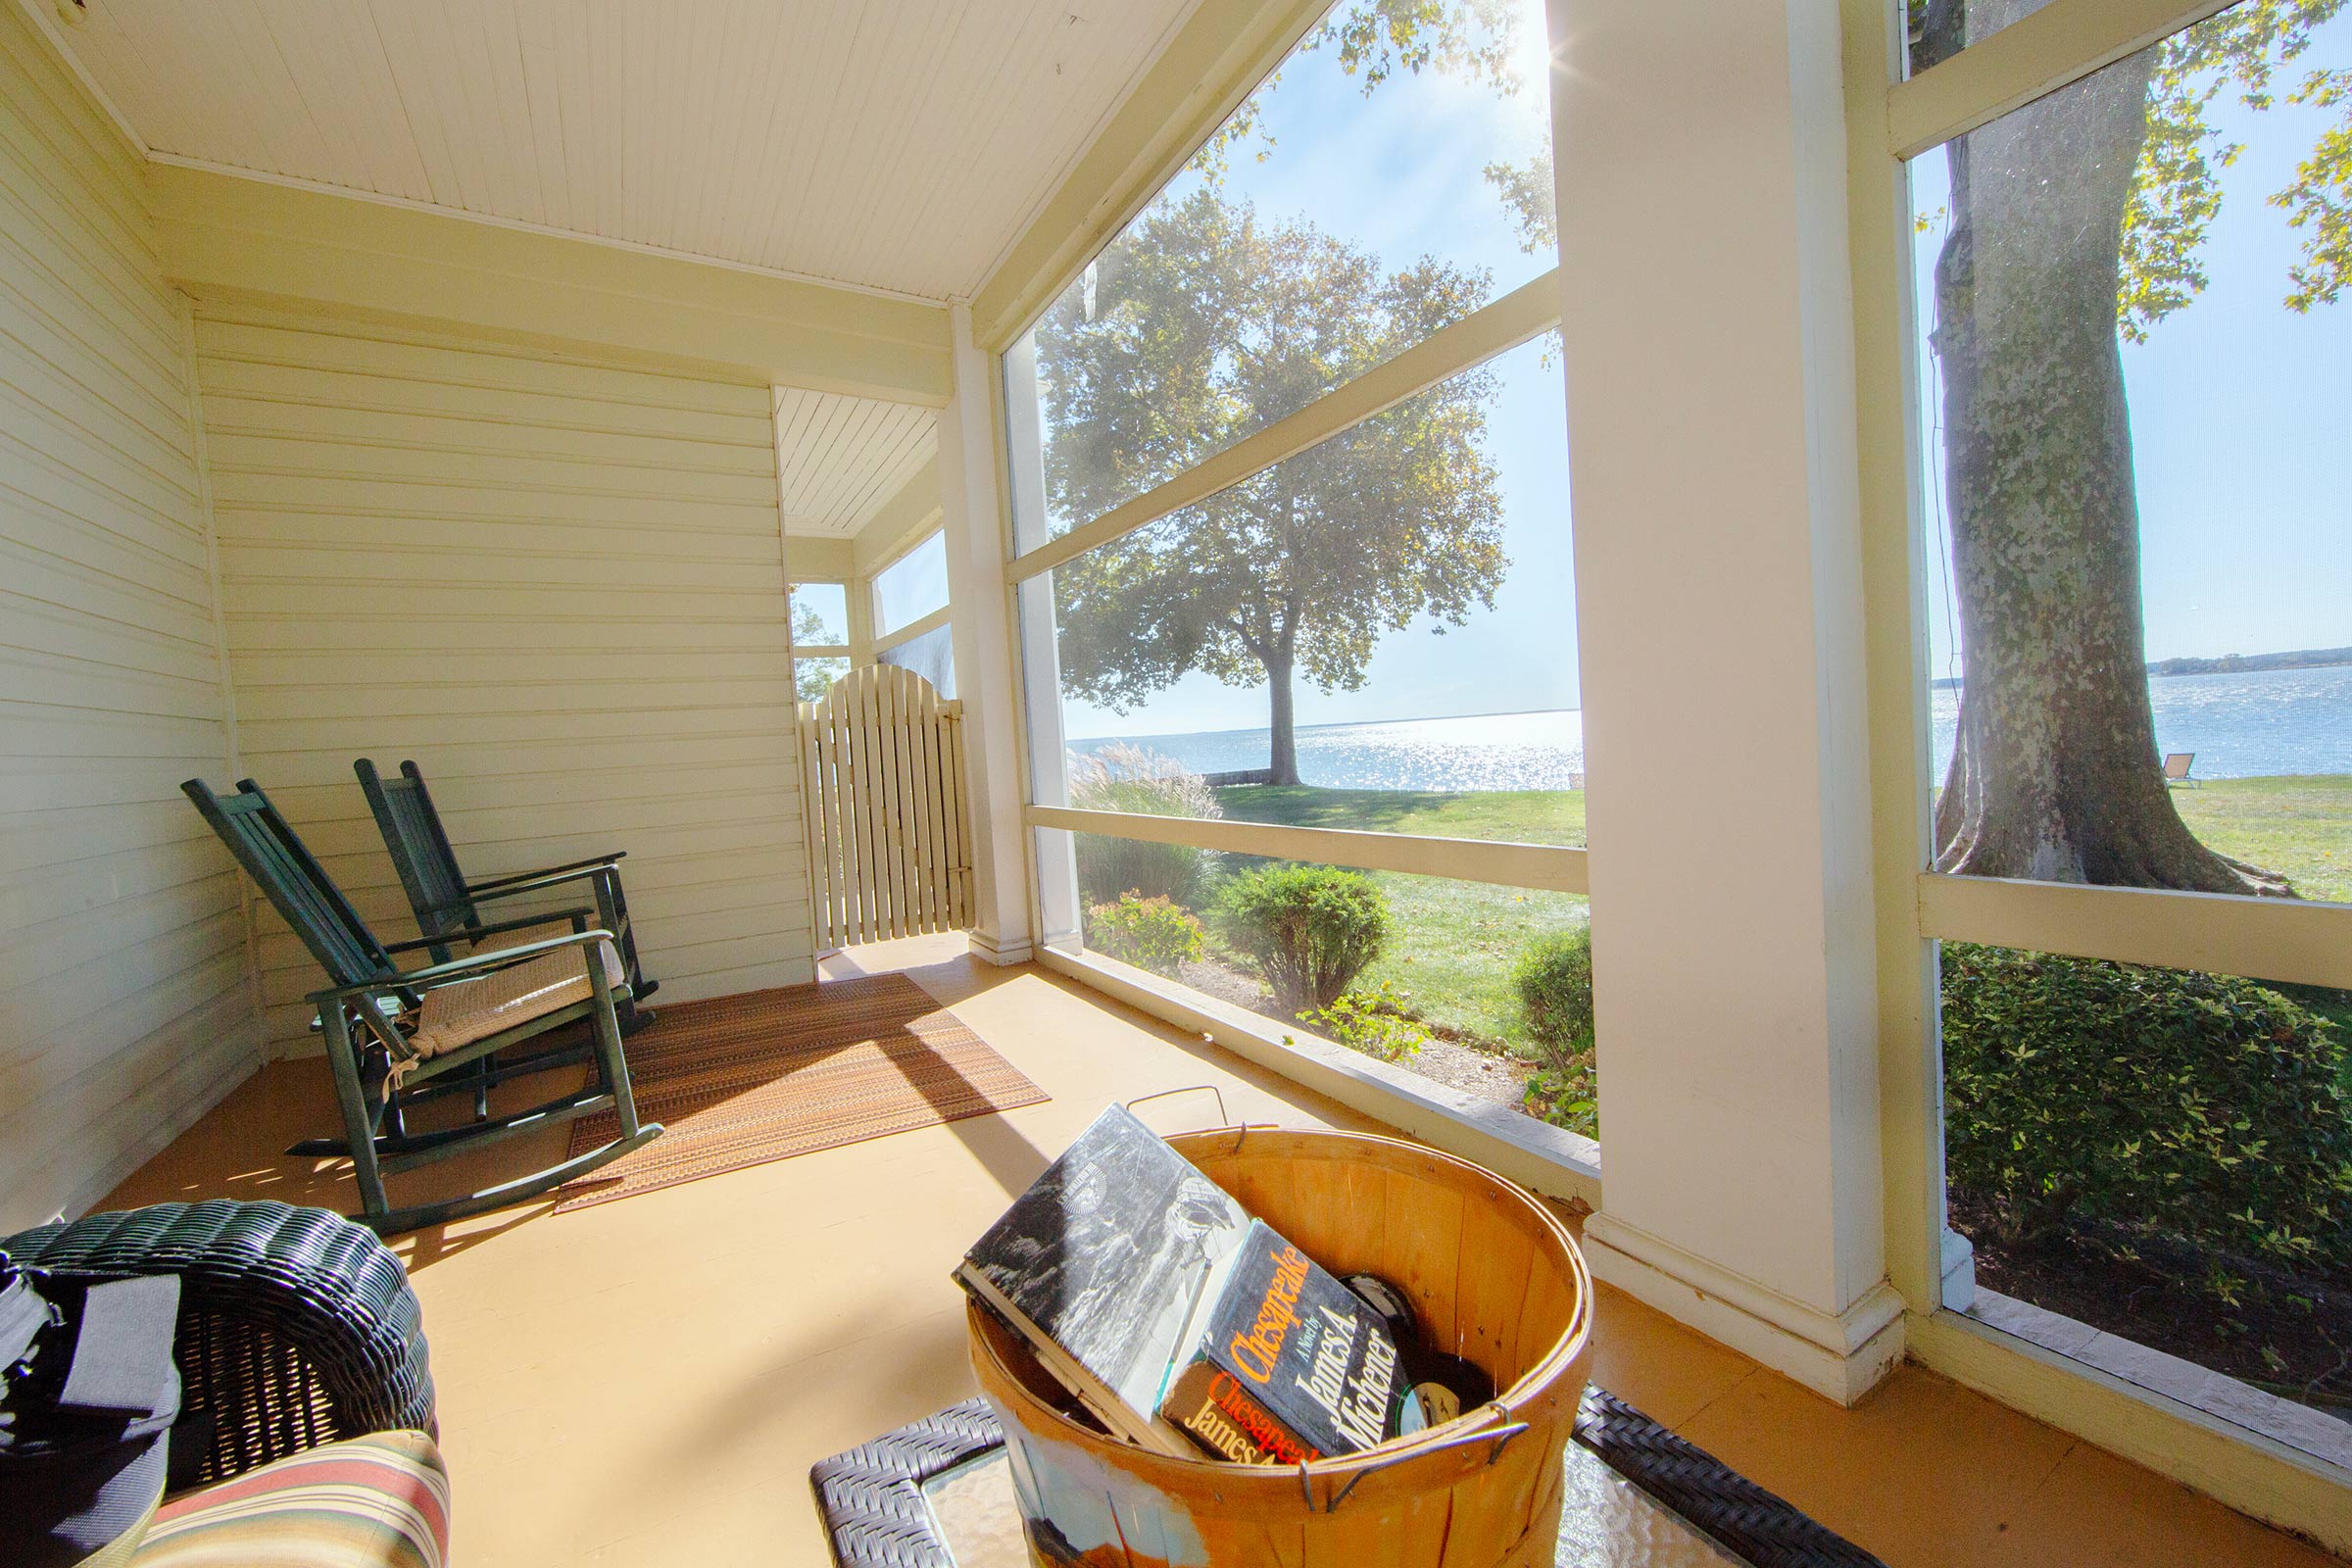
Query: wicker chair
296,1326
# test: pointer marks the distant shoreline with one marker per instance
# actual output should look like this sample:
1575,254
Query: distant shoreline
1345,723
2226,665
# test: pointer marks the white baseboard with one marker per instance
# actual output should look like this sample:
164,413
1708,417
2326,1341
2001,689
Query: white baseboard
991,949
1840,1355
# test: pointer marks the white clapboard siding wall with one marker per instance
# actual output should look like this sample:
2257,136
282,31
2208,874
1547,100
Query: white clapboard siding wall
557,585
889,832
126,998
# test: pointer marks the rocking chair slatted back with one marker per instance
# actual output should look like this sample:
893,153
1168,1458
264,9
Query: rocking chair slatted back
377,1061
421,852
291,878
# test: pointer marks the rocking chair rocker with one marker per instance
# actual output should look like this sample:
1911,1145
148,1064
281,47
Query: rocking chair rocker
387,1030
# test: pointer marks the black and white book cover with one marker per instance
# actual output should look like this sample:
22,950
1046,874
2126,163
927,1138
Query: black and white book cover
1294,1344
1101,1264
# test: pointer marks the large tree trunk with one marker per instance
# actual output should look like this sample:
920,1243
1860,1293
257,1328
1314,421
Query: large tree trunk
2055,776
1283,767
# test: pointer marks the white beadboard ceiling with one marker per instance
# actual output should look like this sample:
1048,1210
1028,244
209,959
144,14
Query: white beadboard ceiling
839,458
892,144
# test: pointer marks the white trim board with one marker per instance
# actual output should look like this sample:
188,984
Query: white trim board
1841,1356
2287,940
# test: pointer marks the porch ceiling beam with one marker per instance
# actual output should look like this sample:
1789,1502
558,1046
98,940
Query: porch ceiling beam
2064,41
1545,867
2284,940
232,237
1215,60
817,558
906,519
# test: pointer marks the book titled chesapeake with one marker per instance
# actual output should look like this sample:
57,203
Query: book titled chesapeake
1100,1265
1286,1365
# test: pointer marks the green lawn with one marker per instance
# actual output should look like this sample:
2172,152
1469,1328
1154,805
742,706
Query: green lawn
1525,816
1457,939
2300,826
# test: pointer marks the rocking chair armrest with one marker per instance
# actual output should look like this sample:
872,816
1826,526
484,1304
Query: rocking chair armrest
477,933
568,870
471,967
536,882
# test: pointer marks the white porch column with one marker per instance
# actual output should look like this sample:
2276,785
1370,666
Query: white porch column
973,516
1707,323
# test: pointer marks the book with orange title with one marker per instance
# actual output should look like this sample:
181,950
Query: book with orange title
1285,1363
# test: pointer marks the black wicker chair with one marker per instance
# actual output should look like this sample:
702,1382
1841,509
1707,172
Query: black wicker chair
296,1326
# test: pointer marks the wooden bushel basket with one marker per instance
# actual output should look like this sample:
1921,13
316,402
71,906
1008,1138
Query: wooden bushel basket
1491,1272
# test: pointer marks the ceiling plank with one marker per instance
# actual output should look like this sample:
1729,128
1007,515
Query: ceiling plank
898,145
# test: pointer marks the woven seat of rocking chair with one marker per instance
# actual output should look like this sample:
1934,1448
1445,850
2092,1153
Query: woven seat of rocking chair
460,1014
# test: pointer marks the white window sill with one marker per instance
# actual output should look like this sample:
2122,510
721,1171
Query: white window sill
2295,1426
1539,1156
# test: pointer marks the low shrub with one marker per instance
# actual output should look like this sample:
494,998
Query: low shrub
1378,1022
1149,933
2207,1107
1309,929
1565,1092
1137,780
1553,977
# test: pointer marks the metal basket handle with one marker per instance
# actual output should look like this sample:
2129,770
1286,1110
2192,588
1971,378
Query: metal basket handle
1501,1437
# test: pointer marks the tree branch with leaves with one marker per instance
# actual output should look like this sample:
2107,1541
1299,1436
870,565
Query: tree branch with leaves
1205,324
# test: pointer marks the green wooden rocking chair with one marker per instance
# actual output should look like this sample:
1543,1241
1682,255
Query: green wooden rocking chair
388,1030
447,908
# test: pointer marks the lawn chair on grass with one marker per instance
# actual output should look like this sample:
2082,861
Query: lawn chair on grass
2175,768
388,1032
447,908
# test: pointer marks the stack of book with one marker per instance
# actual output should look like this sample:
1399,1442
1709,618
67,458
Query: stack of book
1179,1322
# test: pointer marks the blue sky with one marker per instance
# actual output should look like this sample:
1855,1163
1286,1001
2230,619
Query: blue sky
2242,411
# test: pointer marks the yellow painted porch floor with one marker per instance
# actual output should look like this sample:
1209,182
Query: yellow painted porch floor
648,1382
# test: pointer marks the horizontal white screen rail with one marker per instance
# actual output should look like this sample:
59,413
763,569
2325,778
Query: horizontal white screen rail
2287,940
1543,867
1524,313
2061,43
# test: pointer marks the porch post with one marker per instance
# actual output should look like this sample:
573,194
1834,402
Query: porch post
969,461
1055,851
1708,335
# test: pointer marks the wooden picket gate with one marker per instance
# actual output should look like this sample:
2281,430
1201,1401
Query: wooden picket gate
887,827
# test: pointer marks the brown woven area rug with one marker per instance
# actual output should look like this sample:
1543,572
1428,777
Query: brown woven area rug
738,1081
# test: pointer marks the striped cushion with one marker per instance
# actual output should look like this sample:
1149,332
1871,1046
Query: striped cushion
379,1501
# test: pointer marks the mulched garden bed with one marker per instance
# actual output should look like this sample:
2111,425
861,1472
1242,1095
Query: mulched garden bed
1491,1076
2286,1334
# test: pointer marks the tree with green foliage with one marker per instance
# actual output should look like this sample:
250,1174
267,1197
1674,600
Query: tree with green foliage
811,678
2075,222
1203,324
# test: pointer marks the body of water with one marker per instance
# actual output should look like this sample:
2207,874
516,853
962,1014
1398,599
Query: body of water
2240,725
